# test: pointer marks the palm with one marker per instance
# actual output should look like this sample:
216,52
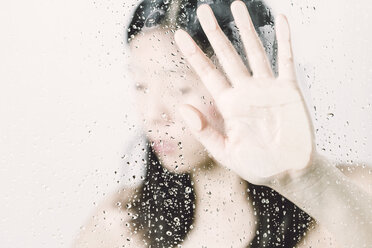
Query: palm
267,129
265,126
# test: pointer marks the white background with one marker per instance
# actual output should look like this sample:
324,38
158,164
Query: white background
66,113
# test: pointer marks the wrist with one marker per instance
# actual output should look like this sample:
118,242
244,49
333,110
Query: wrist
307,183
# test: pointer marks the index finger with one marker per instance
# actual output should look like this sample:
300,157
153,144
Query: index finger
212,78
229,58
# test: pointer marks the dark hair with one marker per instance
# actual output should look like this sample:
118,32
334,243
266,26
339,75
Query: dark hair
165,202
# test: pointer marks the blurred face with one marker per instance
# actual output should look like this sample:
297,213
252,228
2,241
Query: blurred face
164,81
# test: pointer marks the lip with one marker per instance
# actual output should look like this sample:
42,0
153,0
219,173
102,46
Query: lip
164,147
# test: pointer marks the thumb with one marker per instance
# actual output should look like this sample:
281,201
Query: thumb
192,116
209,137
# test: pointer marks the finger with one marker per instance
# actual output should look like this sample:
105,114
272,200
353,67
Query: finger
225,51
209,137
256,54
285,54
212,78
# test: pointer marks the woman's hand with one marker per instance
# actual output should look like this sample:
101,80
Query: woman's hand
268,132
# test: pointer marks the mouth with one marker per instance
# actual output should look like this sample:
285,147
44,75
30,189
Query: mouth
163,146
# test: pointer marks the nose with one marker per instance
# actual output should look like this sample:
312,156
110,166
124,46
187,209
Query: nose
159,110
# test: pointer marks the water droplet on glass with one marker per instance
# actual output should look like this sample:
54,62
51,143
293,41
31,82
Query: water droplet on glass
188,190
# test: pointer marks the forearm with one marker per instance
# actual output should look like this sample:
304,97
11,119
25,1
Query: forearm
330,197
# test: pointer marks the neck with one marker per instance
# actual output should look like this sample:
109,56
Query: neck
217,187
222,208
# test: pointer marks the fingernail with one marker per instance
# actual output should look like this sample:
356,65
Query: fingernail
206,17
241,18
184,42
191,118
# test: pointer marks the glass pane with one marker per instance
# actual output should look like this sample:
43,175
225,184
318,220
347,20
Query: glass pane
118,129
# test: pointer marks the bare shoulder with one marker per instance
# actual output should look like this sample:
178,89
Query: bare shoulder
318,236
108,226
359,174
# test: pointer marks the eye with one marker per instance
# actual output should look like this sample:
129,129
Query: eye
185,90
140,87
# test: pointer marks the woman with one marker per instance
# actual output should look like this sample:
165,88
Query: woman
230,146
